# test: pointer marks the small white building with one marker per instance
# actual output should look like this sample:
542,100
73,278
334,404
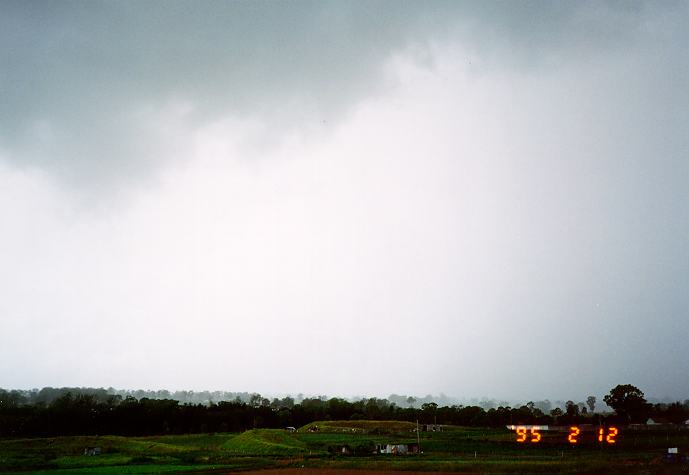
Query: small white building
92,451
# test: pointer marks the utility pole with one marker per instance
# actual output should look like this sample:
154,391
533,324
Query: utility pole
418,437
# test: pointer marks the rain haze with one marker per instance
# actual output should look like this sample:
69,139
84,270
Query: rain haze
346,198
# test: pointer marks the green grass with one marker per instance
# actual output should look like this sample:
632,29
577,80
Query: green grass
360,426
266,442
455,449
136,469
200,441
136,453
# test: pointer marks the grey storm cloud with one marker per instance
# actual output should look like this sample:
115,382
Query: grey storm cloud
76,75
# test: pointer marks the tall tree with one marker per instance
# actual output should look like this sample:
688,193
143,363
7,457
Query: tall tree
591,403
628,402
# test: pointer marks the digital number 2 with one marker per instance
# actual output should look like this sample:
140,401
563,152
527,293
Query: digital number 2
612,433
574,432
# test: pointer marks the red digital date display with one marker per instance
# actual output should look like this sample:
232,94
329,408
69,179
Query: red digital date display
533,434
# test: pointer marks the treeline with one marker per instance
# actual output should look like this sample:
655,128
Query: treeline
48,394
99,414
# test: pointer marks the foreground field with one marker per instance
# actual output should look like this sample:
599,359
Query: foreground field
321,445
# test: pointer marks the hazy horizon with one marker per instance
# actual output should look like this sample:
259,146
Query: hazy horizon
462,198
48,394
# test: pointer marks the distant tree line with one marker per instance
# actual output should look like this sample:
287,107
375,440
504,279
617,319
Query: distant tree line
96,412
48,394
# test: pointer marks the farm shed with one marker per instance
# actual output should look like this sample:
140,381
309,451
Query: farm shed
432,427
659,423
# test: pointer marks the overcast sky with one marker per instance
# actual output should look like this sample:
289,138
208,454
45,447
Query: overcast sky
479,199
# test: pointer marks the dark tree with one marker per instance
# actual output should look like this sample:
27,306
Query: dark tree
571,409
628,402
677,413
591,403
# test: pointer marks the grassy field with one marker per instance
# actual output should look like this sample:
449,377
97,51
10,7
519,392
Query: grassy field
455,449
